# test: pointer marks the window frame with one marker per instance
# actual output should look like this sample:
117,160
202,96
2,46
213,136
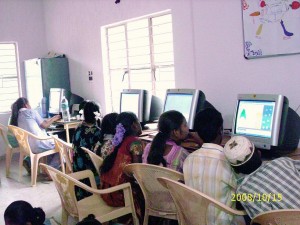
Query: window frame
153,67
19,87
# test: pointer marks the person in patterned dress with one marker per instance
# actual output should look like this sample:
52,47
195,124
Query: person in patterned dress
87,135
108,130
128,149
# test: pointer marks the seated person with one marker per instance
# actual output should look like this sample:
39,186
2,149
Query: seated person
21,213
127,149
87,135
269,186
30,120
108,130
165,149
207,170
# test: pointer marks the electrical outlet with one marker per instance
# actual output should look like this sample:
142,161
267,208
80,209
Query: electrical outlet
90,73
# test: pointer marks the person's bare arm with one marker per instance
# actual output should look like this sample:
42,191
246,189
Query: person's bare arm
47,122
194,137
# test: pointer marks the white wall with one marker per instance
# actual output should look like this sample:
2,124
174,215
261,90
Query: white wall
22,21
208,45
208,48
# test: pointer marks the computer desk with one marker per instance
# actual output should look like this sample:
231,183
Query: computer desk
148,135
67,125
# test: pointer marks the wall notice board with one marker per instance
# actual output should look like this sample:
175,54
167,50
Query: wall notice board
271,27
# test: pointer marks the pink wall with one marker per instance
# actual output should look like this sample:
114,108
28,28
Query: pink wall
208,45
22,21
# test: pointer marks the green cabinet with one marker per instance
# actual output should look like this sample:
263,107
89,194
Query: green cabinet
41,74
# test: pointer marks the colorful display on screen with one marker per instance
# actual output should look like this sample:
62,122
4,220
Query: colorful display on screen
255,118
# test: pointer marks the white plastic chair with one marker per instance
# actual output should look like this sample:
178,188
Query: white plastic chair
94,204
8,149
158,201
278,217
22,137
97,160
192,205
66,151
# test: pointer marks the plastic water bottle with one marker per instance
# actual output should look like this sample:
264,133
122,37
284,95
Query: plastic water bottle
44,107
65,109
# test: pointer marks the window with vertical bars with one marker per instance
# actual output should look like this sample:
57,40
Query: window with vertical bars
9,76
139,56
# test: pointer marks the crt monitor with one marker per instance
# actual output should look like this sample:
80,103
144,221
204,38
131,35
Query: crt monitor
145,106
267,121
186,101
55,97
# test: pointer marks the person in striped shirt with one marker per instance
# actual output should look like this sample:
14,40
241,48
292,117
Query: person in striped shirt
268,186
207,170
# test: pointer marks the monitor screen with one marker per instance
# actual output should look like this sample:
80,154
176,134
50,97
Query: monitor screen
130,102
255,118
267,121
181,102
55,97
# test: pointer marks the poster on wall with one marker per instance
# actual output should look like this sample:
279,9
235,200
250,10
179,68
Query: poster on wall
271,27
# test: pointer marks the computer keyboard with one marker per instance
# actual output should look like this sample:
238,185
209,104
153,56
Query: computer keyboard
56,126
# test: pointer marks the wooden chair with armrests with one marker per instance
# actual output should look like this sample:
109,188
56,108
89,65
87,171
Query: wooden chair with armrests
9,149
278,217
94,204
25,149
192,205
158,201
66,151
96,159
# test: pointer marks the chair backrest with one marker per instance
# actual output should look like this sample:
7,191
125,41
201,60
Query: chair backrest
3,133
97,160
65,188
156,196
192,205
22,138
66,152
278,217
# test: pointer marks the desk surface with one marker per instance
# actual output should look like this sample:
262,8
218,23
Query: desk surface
148,135
72,124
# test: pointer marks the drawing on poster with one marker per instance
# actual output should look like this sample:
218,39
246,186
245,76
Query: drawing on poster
271,27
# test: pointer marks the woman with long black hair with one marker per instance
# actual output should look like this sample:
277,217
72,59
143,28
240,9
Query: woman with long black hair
127,149
165,149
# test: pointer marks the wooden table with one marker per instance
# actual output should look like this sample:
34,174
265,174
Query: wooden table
69,125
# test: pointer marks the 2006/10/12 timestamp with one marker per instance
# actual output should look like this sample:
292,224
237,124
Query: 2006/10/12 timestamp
249,197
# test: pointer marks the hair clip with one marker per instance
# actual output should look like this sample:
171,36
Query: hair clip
97,115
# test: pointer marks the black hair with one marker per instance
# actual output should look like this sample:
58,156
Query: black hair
82,104
88,111
21,213
15,107
126,119
208,124
108,125
251,165
89,220
168,121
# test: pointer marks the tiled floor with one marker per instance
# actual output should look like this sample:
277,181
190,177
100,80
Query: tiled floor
44,195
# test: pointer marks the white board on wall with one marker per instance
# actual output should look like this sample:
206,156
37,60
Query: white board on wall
271,27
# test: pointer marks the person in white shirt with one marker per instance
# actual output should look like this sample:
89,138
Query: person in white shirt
265,186
207,170
28,119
